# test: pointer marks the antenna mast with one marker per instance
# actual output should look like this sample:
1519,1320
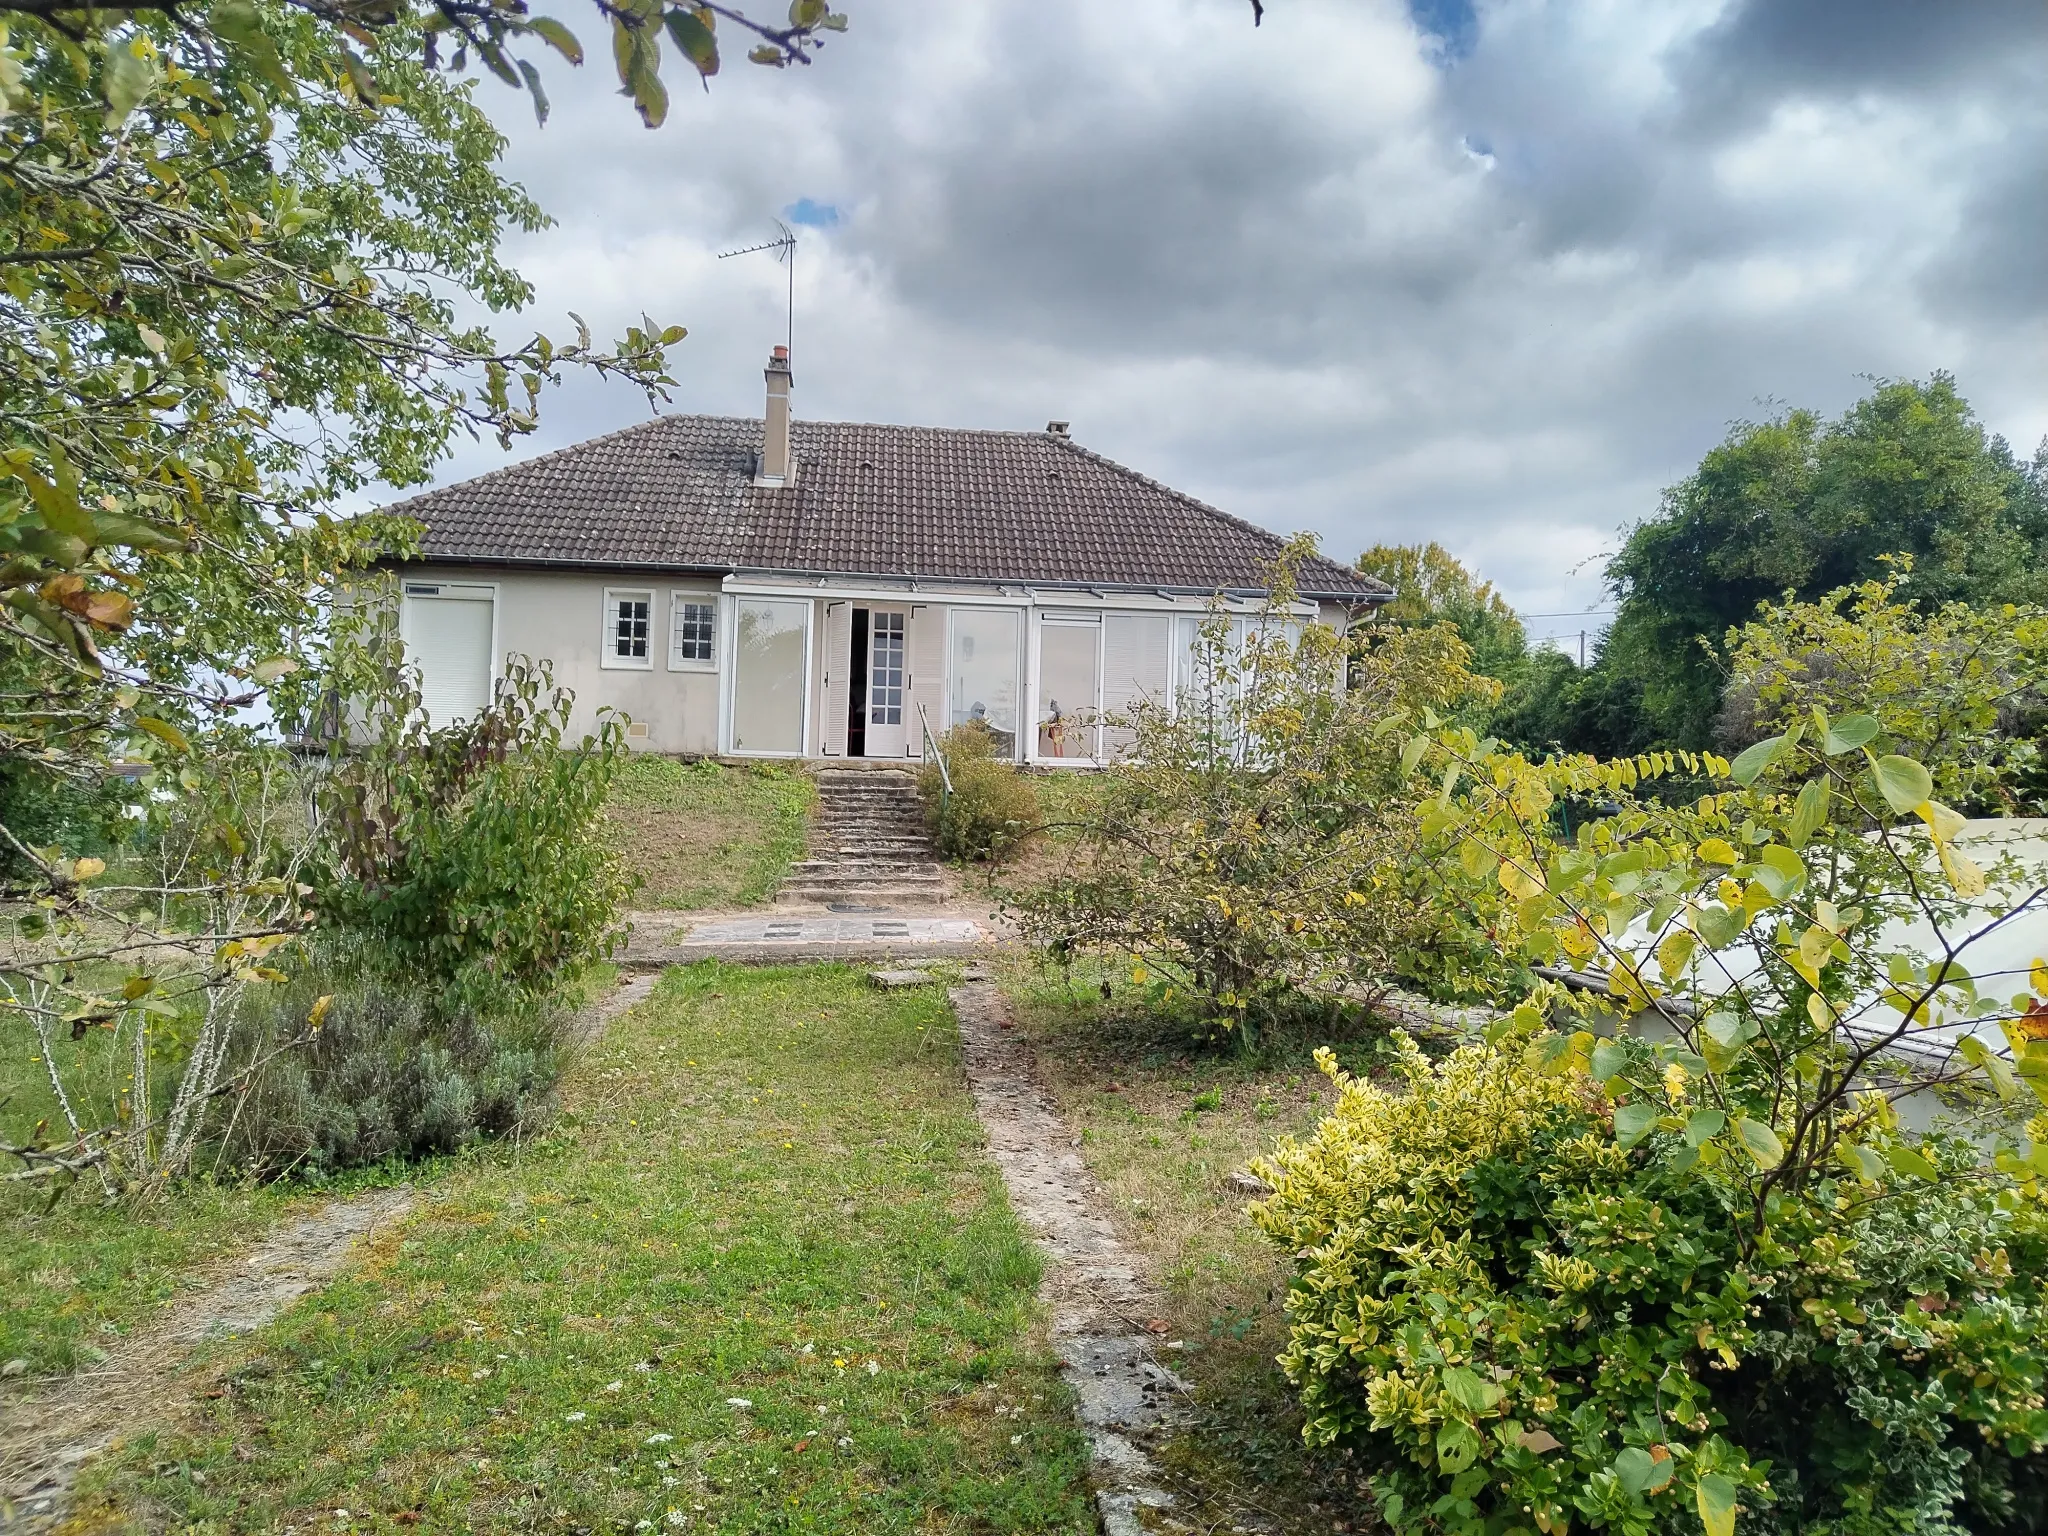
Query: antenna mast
784,247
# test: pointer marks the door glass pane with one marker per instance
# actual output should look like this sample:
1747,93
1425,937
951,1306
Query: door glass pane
768,683
885,669
985,674
1068,683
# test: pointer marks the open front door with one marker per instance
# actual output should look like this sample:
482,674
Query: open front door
838,676
888,662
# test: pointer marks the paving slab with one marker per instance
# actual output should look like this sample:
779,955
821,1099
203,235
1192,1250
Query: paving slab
769,940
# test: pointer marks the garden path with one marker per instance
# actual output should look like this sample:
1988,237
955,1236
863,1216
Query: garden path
1102,1304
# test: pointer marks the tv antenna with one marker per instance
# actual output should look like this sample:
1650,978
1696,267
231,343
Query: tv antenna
784,247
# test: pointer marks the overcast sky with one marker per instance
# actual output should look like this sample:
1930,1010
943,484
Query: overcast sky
1389,271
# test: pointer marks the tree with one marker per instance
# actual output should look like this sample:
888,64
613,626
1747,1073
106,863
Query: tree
1432,586
231,253
1801,505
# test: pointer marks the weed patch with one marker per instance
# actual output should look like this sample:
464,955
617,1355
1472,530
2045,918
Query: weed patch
704,836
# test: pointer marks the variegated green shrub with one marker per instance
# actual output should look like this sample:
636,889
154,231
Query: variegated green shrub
1529,1327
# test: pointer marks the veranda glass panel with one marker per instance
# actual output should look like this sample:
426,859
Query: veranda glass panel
984,672
768,680
1069,689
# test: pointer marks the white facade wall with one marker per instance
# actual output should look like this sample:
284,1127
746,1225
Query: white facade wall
689,706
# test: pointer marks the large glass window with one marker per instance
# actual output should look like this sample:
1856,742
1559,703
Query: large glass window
629,626
1069,688
768,676
984,674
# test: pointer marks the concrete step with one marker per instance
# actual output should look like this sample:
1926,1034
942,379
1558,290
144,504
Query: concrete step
866,869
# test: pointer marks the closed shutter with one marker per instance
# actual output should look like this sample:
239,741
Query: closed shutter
1136,658
838,676
927,684
448,638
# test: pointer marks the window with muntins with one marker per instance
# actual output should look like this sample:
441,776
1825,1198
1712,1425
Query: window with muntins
631,625
693,628
885,670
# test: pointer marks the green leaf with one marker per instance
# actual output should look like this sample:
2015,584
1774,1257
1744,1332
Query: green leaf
1704,1124
557,37
1609,1058
1903,782
1718,926
696,40
1865,1164
1760,1142
1910,1162
533,89
1457,1446
126,82
1991,1064
807,13
1632,1122
1469,1389
1755,759
764,53
1849,733
1715,1496
1633,1468
1411,754
1809,812
164,732
268,672
1779,870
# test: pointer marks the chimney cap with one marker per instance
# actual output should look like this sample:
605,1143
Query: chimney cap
779,354
1057,428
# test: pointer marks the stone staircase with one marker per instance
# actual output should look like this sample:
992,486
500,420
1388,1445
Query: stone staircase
870,848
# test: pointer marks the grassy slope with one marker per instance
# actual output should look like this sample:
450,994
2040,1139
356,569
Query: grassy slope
764,1181
1163,1162
706,836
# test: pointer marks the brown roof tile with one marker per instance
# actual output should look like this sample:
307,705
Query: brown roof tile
677,493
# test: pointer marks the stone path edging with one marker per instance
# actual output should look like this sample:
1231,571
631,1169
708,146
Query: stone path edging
1098,1297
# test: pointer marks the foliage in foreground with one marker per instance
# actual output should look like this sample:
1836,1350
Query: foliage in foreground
1645,1280
472,857
1533,1325
1253,845
992,807
385,1076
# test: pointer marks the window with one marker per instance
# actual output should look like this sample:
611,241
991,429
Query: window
628,626
693,631
450,635
885,669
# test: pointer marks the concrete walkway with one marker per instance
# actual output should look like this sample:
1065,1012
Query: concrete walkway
789,938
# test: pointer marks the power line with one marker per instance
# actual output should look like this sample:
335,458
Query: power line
1569,613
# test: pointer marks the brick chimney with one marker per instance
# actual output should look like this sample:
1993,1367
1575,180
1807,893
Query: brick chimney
778,464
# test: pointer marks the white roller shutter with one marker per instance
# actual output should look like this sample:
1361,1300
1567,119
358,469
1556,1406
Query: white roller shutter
448,638
927,682
1136,658
838,676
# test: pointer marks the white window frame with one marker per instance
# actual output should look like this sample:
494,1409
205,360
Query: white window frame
677,597
608,656
1065,618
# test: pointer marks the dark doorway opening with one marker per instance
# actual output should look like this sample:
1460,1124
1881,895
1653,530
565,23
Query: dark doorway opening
857,689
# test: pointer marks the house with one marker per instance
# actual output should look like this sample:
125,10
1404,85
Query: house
786,588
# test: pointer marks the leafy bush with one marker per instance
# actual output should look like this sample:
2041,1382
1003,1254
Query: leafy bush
1531,1325
473,856
993,807
385,1075
1255,844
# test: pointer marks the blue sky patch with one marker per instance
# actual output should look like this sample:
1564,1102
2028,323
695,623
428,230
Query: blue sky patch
810,212
1453,23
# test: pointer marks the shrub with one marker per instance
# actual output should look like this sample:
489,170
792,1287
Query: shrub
1530,1325
385,1075
473,857
993,807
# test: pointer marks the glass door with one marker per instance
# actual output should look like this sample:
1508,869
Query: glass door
771,665
887,732
1069,689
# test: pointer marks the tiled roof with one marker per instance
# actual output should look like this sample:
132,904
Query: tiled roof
677,493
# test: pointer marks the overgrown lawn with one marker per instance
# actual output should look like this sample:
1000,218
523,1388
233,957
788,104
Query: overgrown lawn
761,1278
704,836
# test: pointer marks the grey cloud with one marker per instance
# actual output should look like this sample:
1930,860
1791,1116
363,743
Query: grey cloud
1268,268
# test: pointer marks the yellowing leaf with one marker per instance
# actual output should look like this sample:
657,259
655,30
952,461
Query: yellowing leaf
88,869
1903,782
1715,1496
1717,850
1760,1142
1944,823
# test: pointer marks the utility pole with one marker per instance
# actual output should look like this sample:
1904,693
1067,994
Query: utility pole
1582,650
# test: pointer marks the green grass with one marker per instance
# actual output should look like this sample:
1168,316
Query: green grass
767,1185
705,835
